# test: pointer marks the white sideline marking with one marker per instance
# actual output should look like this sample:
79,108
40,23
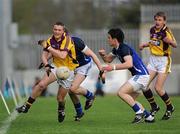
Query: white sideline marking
6,124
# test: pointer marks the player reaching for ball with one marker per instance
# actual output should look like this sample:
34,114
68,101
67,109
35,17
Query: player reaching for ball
84,56
62,50
65,57
129,91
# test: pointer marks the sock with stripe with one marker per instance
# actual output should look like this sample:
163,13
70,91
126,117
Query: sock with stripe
149,96
29,102
88,95
78,108
137,109
167,101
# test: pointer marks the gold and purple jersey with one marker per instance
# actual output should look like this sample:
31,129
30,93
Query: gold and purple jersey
64,44
157,46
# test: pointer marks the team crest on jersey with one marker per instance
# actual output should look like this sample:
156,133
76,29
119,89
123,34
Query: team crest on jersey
154,36
55,46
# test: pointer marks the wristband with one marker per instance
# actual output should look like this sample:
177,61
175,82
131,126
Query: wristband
114,67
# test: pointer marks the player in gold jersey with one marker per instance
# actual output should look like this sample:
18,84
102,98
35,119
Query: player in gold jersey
61,48
159,66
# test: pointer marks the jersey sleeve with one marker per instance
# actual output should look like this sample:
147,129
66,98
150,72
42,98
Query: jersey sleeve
170,35
125,51
80,44
48,42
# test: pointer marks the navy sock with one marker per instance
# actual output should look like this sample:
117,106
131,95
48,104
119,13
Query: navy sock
89,95
146,113
78,108
136,108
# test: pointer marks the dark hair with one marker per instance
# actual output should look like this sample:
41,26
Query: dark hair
160,14
117,33
59,23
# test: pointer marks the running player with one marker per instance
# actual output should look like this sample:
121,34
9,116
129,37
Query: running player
84,56
161,41
129,91
63,53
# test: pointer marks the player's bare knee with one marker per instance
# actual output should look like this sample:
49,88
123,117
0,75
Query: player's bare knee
119,94
160,91
73,89
60,98
157,88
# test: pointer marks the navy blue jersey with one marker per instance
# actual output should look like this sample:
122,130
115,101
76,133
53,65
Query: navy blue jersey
138,66
79,48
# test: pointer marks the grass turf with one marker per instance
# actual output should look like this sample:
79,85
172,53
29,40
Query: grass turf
109,115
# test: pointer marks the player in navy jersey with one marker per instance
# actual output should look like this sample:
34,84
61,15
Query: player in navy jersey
129,59
84,57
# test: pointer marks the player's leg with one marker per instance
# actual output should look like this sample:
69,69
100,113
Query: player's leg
148,117
124,93
161,78
149,95
64,86
62,92
36,92
79,78
81,73
77,106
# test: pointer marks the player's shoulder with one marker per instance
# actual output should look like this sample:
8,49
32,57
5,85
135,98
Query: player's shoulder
77,39
152,29
167,29
125,46
49,39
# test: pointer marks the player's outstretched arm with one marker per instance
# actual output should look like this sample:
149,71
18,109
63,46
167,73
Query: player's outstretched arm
90,53
107,58
143,45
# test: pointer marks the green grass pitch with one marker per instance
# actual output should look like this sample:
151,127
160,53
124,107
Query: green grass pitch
109,115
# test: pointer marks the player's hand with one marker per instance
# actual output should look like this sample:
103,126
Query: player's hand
48,69
41,65
108,68
43,43
141,46
102,76
102,52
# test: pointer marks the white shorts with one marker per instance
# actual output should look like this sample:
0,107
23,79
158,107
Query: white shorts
64,83
161,64
84,70
139,82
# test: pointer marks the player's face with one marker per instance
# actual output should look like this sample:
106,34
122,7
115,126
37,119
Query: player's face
159,22
58,31
110,40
